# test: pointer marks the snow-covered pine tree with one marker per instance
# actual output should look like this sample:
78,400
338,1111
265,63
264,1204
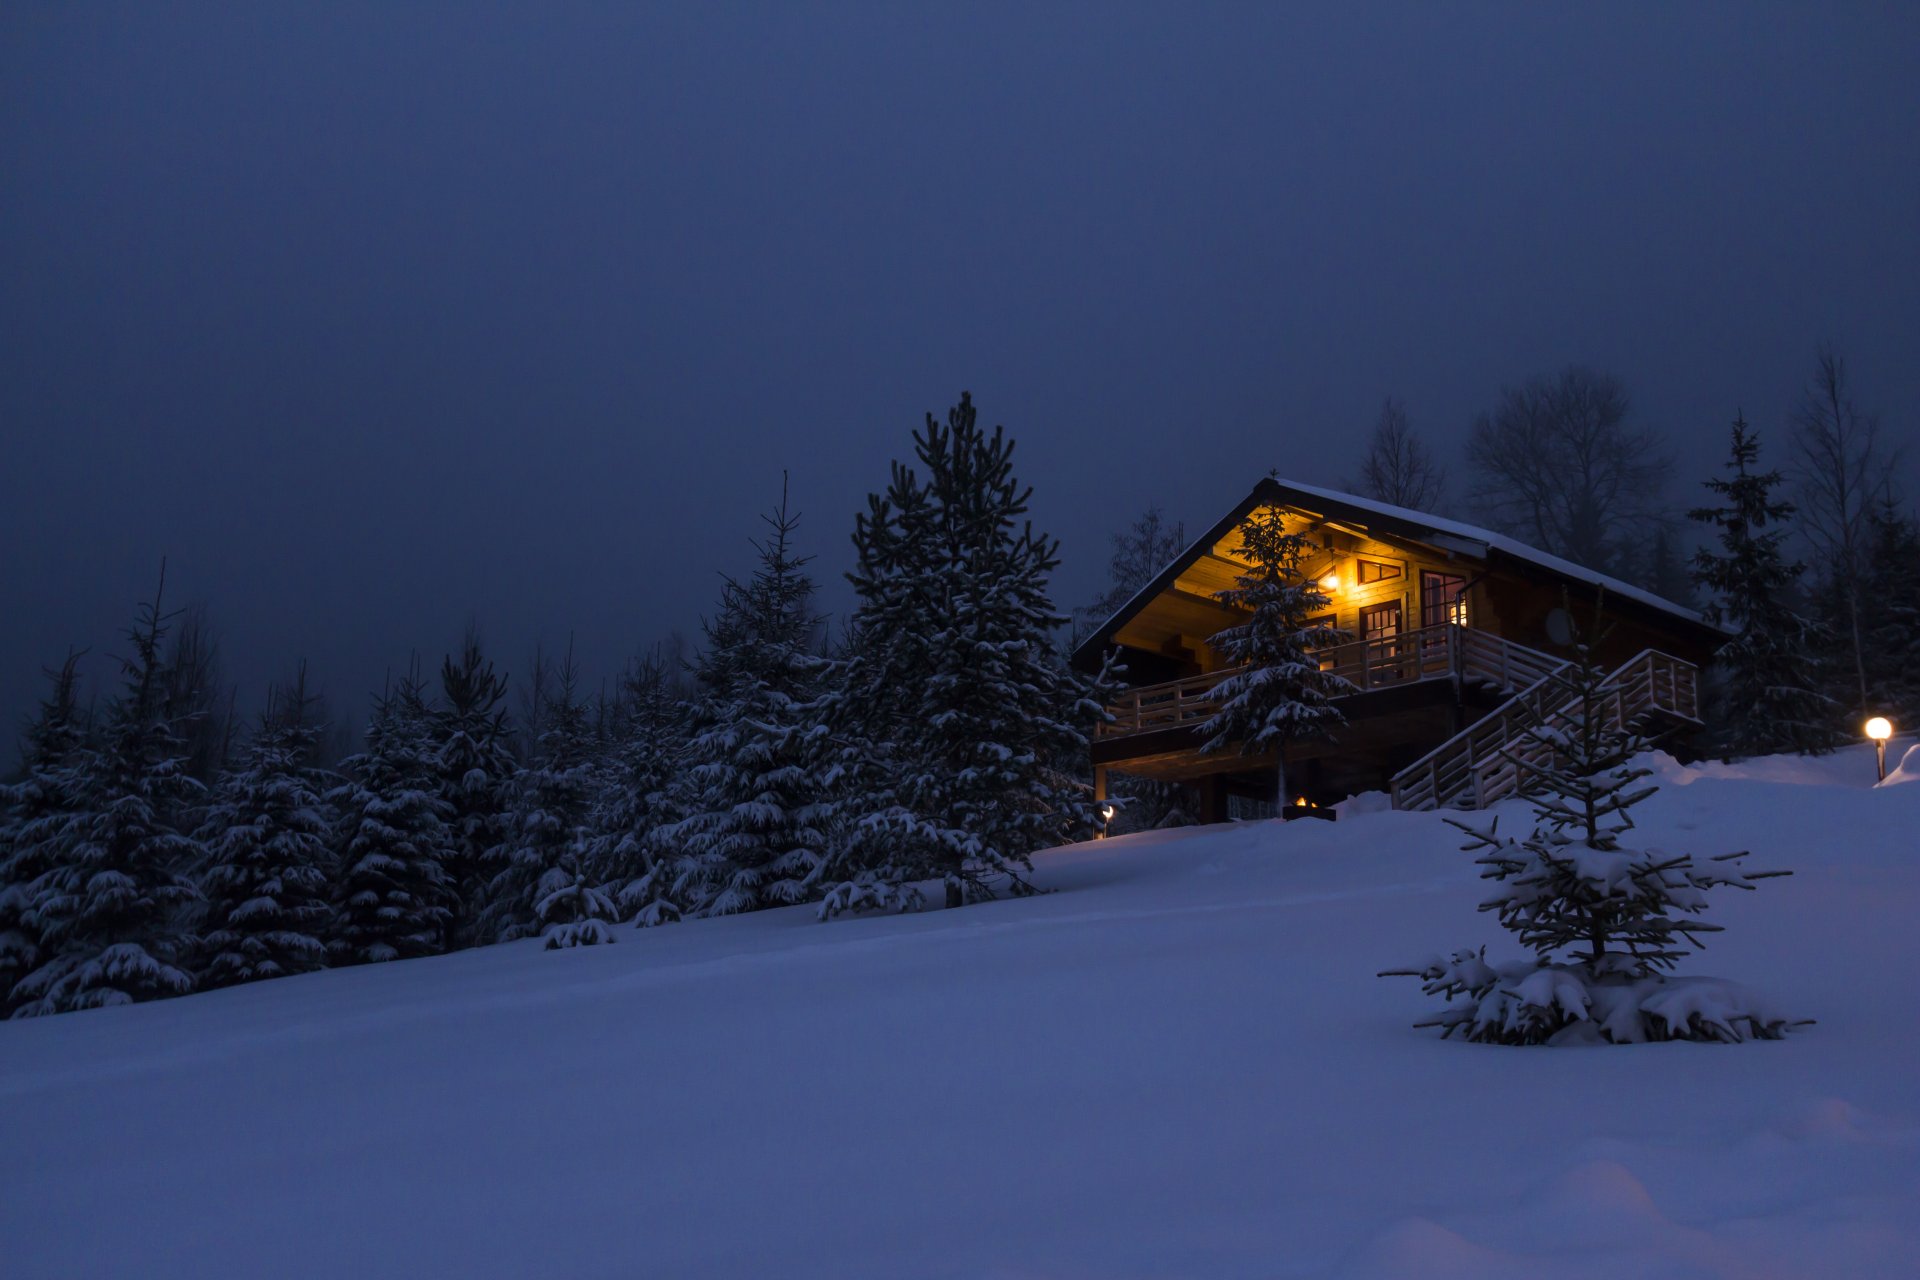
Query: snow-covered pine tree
1282,696
546,883
267,882
112,910
1890,616
954,710
393,898
1767,700
650,735
477,768
756,796
1606,922
38,812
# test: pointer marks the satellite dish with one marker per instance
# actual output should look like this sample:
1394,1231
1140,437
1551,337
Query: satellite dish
1559,627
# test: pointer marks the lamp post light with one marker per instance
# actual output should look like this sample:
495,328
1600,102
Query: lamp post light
1106,812
1880,729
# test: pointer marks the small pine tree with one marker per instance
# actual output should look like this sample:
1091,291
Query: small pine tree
638,801
1890,616
1768,700
112,911
572,910
547,850
1606,922
1282,696
756,798
39,812
267,831
953,710
475,760
393,897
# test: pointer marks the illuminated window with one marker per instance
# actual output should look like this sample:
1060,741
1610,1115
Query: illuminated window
1377,571
1443,598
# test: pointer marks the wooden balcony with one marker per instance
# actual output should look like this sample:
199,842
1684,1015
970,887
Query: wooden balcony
1431,653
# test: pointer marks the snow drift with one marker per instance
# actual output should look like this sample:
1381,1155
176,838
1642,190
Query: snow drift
1177,1064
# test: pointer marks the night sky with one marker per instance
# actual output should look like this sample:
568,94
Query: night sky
376,318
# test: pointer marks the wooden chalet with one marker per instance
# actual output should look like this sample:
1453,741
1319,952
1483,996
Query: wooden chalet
1457,635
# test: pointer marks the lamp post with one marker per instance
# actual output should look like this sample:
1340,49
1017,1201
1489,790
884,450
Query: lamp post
1880,729
1106,812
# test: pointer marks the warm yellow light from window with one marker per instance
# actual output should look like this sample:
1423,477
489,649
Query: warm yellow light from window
1879,728
1330,583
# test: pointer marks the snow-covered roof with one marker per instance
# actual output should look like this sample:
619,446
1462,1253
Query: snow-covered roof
1490,540
1419,526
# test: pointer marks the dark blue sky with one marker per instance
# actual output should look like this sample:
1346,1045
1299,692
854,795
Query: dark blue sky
375,317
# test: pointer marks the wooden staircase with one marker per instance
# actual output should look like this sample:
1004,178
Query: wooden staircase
1487,761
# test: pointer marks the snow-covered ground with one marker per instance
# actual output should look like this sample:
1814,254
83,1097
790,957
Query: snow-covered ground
1179,1064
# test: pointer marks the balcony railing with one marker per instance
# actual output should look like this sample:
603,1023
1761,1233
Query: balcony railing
1431,653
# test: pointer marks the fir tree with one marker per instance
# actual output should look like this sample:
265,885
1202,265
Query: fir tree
477,768
394,900
1606,922
953,709
111,912
1890,616
267,834
1282,696
637,802
1768,701
39,812
547,846
756,795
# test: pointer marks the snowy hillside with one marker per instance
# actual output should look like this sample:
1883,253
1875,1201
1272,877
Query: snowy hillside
1179,1064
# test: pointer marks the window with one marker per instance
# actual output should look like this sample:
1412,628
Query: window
1380,621
1366,571
1443,598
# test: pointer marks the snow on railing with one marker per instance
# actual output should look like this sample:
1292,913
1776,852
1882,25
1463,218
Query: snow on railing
1431,653
1489,759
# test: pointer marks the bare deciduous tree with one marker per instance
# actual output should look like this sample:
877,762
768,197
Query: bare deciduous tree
1840,469
1555,463
1399,468
1142,550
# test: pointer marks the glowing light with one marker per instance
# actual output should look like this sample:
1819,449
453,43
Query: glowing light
1106,812
1330,583
1879,728
1301,802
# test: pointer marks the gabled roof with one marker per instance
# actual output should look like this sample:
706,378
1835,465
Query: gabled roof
1399,522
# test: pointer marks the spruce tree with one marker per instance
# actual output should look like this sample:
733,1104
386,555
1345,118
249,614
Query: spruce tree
637,801
1890,616
477,767
1282,696
547,833
1606,922
953,709
1768,700
393,896
112,911
267,833
38,810
756,798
